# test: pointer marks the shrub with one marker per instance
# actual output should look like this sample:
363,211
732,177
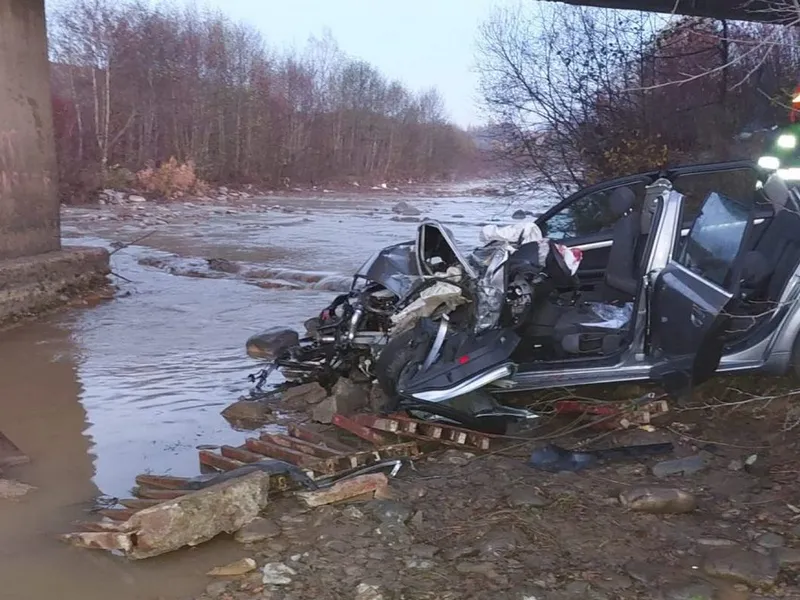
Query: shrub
171,180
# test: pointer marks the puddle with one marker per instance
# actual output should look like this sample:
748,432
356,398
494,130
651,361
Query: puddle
97,396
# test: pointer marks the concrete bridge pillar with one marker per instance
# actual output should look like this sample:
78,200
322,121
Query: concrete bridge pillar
29,210
35,273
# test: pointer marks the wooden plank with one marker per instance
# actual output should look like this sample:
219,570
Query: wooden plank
316,437
162,482
139,503
301,445
10,454
292,456
156,494
117,514
217,461
240,454
365,433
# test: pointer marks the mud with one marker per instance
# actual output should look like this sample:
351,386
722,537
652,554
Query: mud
98,395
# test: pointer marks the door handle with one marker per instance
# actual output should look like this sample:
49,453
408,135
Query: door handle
697,316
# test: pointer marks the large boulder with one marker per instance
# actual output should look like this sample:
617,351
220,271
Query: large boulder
404,208
270,343
346,398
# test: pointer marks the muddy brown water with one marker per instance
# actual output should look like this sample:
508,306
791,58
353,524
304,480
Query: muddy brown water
97,396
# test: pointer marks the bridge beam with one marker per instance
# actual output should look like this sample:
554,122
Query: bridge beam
768,11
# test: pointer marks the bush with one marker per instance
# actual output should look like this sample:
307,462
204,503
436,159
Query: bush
171,180
119,178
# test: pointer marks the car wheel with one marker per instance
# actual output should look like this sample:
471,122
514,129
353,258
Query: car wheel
403,354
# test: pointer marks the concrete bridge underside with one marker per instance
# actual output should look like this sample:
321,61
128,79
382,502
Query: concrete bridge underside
769,11
34,270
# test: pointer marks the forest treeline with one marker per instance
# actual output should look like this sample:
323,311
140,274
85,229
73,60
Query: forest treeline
580,94
136,85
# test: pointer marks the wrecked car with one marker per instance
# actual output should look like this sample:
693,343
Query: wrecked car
667,276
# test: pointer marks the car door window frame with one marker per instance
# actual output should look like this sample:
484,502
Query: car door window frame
605,186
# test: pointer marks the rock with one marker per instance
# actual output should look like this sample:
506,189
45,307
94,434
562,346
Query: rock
194,518
716,542
223,265
418,521
351,512
577,589
346,398
455,457
457,216
14,490
419,564
743,566
770,540
137,199
520,214
695,590
424,550
257,530
645,573
366,591
526,498
217,588
277,574
482,568
658,500
404,208
369,483
788,558
683,466
377,399
270,343
405,219
390,512
299,396
497,543
735,465
248,414
240,567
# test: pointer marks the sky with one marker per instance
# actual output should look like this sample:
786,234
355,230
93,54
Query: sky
422,43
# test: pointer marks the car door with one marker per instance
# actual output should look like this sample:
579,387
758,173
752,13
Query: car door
740,180
693,295
584,221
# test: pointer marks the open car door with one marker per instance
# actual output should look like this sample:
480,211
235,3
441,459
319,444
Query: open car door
693,295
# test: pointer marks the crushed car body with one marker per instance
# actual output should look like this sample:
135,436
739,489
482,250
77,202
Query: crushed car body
677,286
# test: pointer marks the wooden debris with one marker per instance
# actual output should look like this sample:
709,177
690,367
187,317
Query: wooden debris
362,431
371,484
239,567
439,433
315,437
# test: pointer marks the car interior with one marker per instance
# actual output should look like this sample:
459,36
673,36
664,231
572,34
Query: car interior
596,320
769,263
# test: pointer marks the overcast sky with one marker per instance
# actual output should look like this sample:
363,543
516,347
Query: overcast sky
423,43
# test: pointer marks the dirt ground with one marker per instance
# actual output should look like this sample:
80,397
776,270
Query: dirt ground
467,527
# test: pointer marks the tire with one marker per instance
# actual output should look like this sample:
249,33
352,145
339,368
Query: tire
403,353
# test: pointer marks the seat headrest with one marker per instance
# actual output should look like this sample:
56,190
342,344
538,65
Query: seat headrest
776,191
621,201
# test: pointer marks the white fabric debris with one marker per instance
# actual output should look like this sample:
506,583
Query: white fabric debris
430,299
516,234
572,256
